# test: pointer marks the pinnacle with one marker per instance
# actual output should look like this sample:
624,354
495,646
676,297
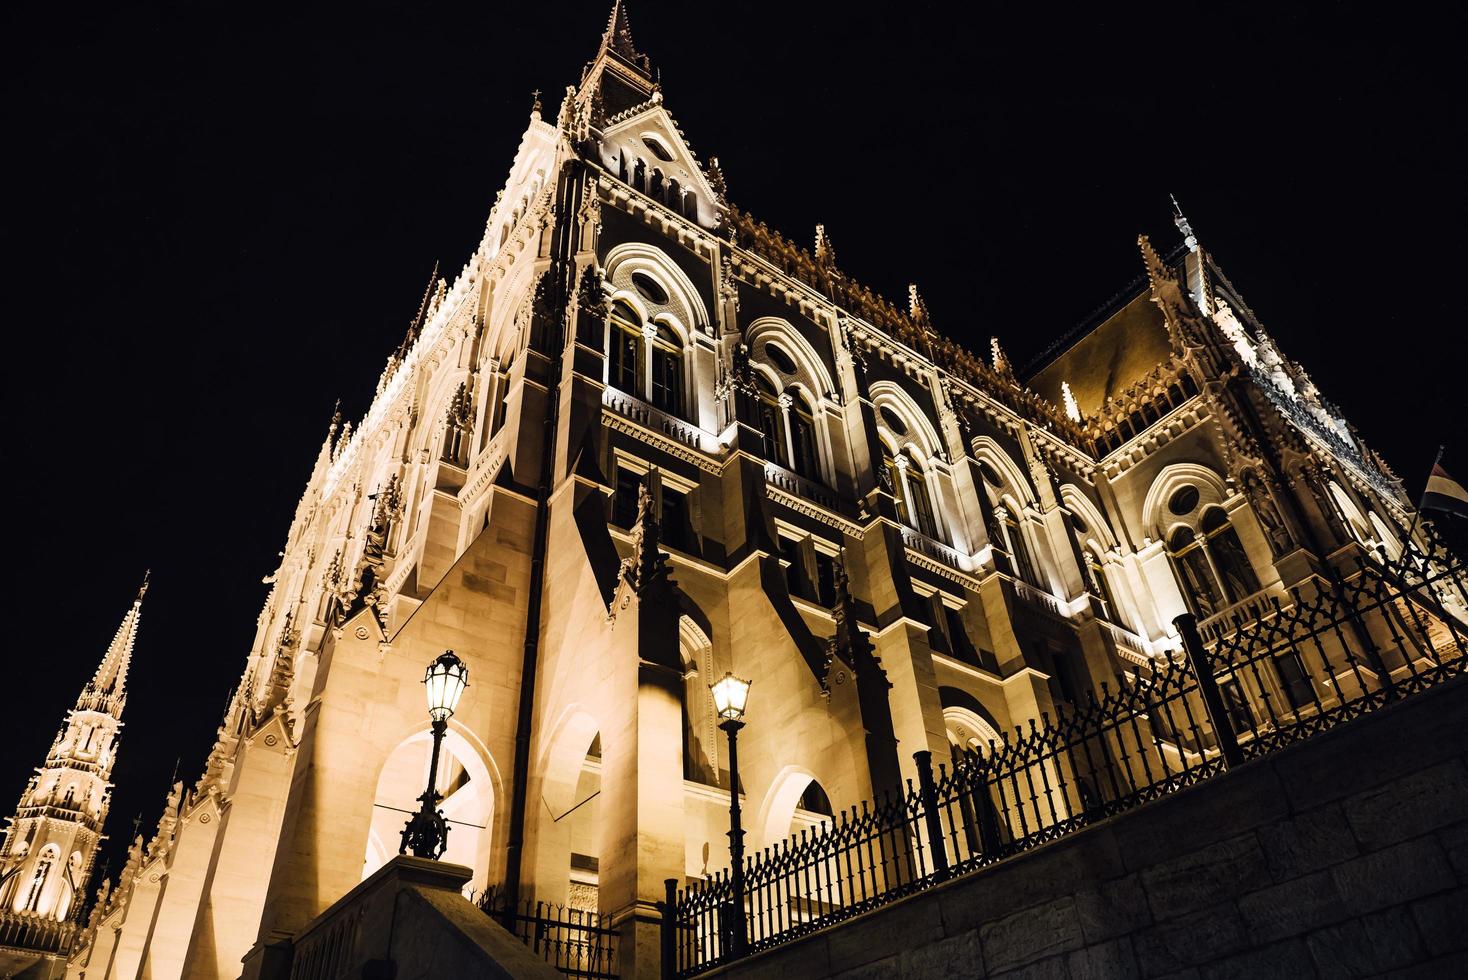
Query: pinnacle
617,39
111,674
618,35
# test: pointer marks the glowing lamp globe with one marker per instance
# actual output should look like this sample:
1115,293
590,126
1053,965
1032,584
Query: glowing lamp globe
444,683
730,696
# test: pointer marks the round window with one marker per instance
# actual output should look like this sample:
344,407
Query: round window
658,149
777,355
1183,501
650,288
892,421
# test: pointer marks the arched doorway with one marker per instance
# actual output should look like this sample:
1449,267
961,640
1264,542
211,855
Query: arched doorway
464,779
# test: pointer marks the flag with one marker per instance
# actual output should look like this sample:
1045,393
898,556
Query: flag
1444,493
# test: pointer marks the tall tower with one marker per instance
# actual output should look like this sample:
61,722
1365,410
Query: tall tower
51,841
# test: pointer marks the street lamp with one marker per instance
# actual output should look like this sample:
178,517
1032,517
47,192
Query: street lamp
427,832
730,696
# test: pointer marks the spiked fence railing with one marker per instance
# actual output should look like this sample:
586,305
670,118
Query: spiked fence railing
577,942
1339,647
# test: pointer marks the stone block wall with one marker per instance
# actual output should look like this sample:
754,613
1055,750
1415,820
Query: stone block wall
1344,856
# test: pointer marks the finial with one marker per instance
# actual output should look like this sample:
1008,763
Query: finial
825,254
143,589
1072,409
535,103
916,308
1189,239
996,354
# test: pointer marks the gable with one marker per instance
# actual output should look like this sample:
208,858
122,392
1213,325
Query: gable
646,152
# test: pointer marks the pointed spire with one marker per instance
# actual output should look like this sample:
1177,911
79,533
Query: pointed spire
1189,239
1156,269
111,675
618,36
432,292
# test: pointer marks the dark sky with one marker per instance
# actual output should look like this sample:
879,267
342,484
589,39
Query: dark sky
219,221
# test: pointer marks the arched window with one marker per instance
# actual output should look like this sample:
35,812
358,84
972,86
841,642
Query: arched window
1229,557
803,438
667,370
1096,579
639,176
771,421
1019,549
1200,587
624,350
919,504
44,864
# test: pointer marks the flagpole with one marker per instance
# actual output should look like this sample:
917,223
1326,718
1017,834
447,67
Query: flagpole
1418,512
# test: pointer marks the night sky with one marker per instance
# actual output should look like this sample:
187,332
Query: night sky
217,222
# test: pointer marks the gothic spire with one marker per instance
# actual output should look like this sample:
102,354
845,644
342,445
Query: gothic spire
618,36
111,675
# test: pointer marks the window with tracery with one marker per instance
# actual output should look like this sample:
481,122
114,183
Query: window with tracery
1212,567
645,360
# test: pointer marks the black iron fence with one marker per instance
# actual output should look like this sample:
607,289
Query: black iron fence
577,942
1346,644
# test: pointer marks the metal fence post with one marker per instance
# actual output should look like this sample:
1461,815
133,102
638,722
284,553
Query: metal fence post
1228,742
929,792
667,932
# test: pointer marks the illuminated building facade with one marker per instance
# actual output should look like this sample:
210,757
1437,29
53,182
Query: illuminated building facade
641,440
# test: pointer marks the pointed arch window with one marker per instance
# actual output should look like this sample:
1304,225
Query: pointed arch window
44,864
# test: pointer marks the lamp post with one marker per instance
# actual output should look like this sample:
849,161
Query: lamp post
730,696
427,832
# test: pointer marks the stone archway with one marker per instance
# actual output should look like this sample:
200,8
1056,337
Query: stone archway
466,778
